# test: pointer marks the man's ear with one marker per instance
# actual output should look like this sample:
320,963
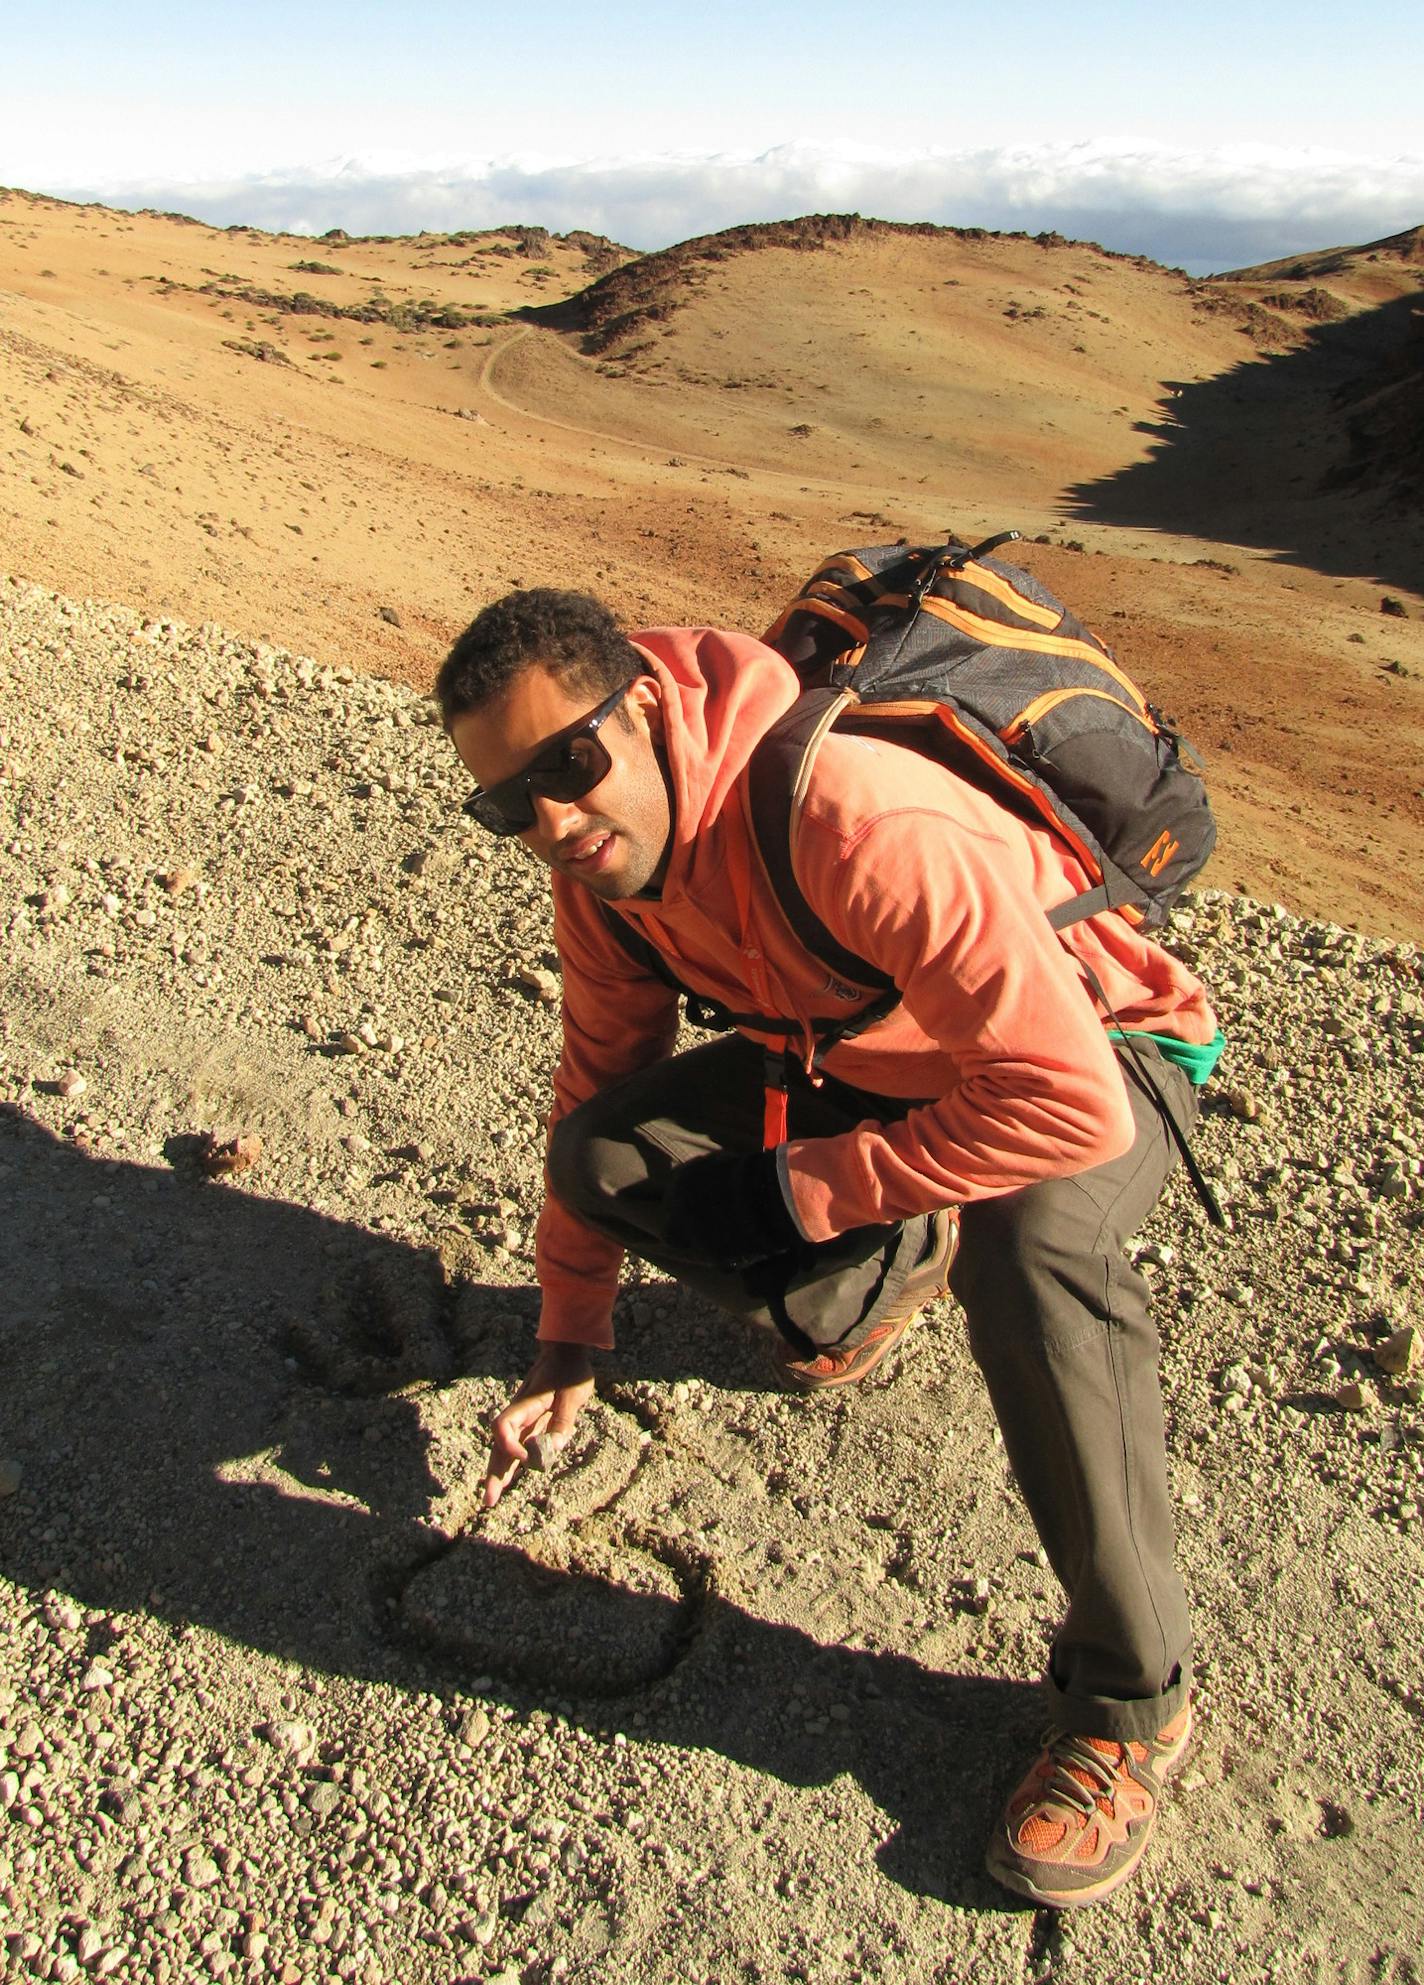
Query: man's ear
645,705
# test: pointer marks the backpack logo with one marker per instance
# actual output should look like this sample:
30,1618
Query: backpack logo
1160,853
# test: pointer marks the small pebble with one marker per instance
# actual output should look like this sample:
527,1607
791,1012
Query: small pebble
296,1739
1397,1354
200,1871
222,1157
30,1740
545,985
475,1727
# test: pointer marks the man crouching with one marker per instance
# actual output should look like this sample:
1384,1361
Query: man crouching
985,1136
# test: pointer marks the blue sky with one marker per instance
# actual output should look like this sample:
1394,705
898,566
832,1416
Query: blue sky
1236,132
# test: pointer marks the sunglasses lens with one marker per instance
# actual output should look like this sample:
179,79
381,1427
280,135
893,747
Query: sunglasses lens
570,770
500,811
565,770
581,763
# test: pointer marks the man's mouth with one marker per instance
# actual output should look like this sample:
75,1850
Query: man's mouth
589,853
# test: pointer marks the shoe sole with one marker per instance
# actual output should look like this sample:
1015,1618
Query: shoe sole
1009,1875
853,1373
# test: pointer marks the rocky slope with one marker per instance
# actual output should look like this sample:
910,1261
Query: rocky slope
734,1692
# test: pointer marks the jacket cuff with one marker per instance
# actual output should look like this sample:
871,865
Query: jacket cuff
574,1316
783,1179
576,1330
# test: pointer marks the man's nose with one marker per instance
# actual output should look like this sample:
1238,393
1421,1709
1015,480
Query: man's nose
554,820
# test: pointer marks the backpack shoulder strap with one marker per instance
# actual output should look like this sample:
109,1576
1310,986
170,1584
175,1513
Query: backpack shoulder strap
778,774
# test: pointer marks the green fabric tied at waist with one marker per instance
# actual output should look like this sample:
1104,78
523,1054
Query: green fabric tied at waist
1196,1058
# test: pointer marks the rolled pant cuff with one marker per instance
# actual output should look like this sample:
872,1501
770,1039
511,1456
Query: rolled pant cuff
1107,1716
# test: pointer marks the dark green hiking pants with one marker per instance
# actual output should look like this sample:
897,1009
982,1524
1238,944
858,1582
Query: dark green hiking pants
1059,1323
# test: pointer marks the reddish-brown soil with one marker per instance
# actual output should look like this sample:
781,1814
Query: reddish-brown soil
352,458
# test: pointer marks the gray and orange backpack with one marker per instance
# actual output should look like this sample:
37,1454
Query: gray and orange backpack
977,664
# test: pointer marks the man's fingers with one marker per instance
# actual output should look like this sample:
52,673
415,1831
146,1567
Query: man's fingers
550,1413
518,1423
502,1468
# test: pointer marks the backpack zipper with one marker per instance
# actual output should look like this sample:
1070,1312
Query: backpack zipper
1050,700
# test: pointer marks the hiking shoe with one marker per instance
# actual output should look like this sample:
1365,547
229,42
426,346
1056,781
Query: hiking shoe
1078,1824
858,1354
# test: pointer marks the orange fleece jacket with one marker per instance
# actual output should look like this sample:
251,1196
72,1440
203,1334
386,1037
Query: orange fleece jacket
910,868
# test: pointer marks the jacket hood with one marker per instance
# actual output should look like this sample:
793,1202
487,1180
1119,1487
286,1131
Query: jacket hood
721,692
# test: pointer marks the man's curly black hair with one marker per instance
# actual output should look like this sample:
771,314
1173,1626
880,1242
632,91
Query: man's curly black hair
572,635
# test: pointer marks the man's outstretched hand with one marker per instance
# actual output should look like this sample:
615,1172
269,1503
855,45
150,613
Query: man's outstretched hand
559,1386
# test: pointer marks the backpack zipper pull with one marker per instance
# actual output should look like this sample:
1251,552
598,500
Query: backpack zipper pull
957,560
946,560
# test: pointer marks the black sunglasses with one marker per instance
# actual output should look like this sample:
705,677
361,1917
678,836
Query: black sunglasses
565,767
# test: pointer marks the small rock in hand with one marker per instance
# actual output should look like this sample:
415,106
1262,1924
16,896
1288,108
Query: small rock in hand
543,1451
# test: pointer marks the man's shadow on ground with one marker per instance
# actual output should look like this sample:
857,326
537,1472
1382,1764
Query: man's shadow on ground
146,1367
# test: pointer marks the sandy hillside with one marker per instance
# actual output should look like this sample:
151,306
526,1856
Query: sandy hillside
730,1697
348,446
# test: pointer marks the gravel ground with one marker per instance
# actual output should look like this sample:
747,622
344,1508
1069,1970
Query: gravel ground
734,1691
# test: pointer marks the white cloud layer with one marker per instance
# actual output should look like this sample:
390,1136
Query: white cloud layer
1201,210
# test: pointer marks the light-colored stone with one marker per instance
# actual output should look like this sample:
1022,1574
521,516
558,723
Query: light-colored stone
296,1739
543,1451
1399,1352
545,985
200,1870
475,1727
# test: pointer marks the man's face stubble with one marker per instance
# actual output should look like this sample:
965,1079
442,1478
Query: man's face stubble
614,838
